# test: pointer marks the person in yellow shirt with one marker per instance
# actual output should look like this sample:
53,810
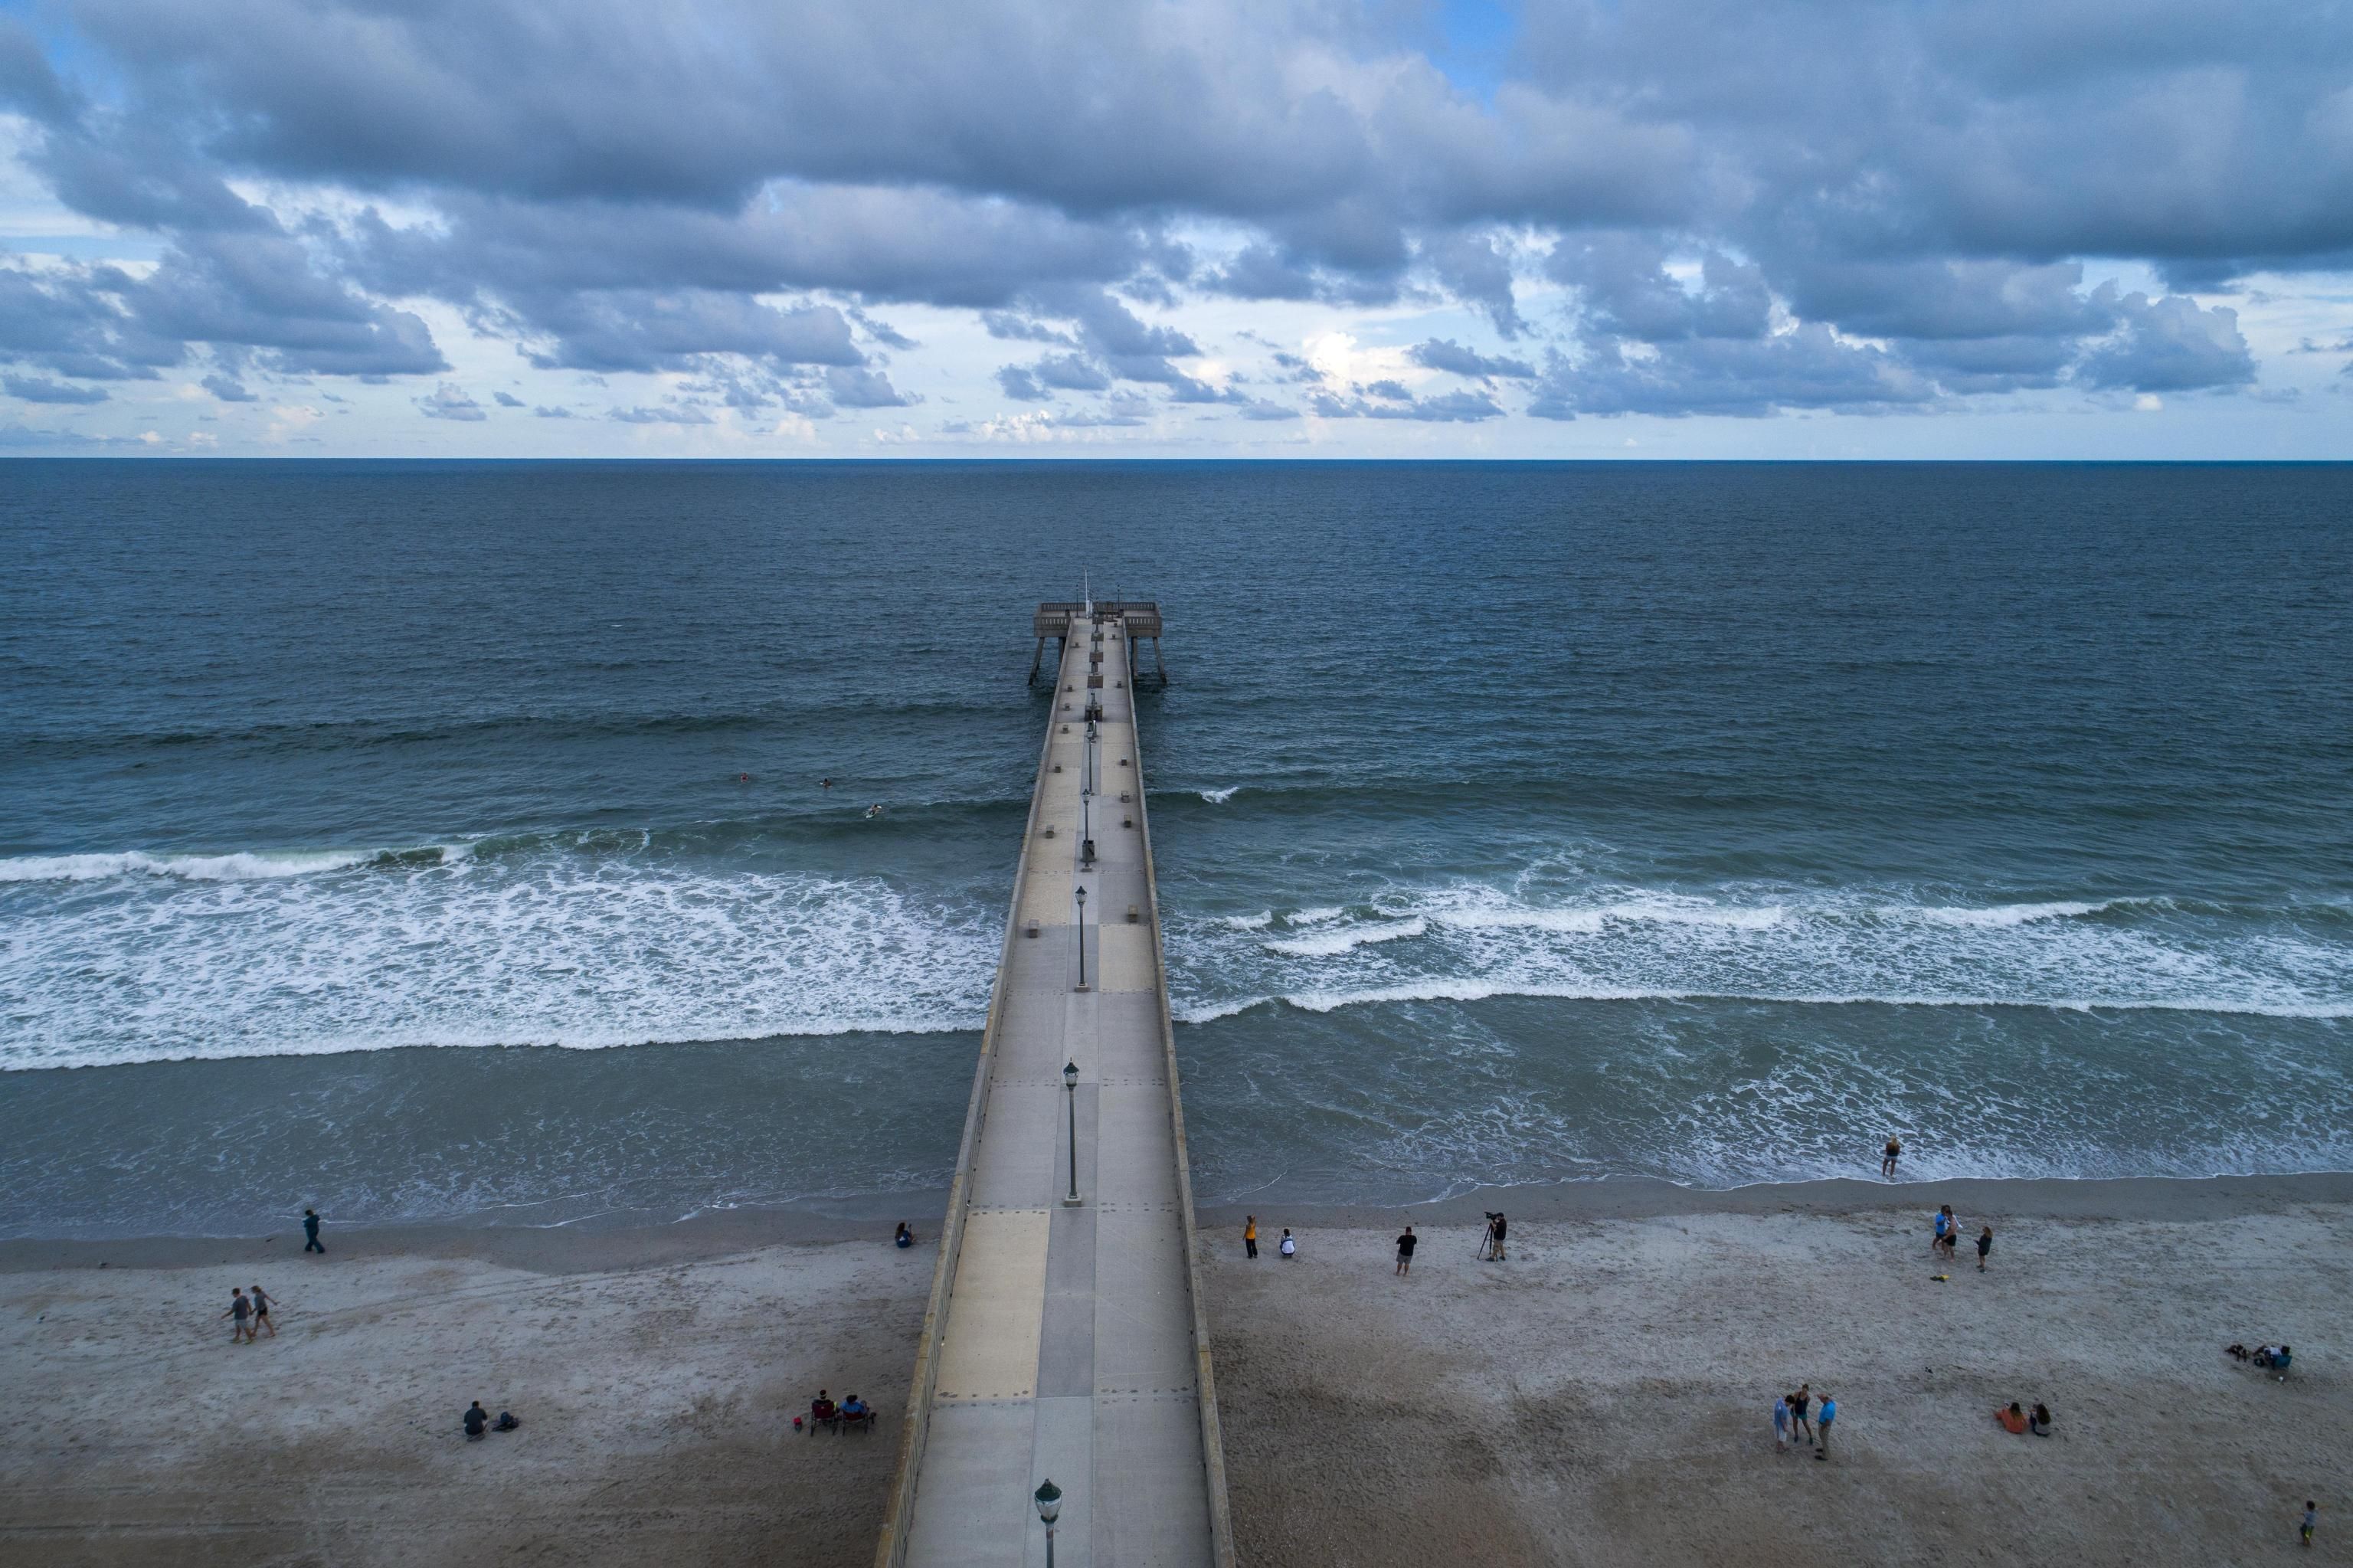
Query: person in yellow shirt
1249,1233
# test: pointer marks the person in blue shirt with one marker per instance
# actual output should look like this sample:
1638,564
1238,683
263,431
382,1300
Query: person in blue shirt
1822,1427
1944,1233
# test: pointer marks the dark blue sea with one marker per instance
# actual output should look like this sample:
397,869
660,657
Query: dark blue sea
376,836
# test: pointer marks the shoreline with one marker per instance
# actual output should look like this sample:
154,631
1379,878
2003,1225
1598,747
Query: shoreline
622,1239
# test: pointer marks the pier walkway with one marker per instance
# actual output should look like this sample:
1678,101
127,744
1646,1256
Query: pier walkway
1065,1340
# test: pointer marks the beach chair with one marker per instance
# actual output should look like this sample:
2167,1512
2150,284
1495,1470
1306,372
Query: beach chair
861,1422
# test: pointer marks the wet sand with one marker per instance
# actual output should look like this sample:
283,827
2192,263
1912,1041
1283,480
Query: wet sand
1601,1397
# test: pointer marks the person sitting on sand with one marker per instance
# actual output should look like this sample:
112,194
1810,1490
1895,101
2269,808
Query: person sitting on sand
2274,1357
2038,1421
1288,1248
2013,1419
903,1237
476,1420
2238,1353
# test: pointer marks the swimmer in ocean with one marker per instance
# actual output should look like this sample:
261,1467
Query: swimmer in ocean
874,811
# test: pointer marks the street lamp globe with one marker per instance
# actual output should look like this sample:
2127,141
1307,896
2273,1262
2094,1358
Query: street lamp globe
1050,1502
1070,1076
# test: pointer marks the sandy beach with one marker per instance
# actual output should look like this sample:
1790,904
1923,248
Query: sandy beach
1601,1397
1604,1395
656,1372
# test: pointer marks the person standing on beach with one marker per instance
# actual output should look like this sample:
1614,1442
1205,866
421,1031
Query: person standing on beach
1495,1236
311,1231
1942,1237
1888,1157
1250,1235
1822,1438
1799,1403
2311,1517
1781,1424
261,1306
1405,1252
241,1311
1985,1245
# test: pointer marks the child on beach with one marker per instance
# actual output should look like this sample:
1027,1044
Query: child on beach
2012,1419
1250,1235
261,1306
1405,1252
1985,1245
2311,1517
1942,1236
1781,1422
1887,1158
241,1311
1799,1404
1288,1248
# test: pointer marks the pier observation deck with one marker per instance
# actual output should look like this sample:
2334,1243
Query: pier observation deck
1064,1339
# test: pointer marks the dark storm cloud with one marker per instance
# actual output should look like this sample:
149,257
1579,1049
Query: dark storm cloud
1388,400
2172,345
1742,376
1445,354
40,389
1734,194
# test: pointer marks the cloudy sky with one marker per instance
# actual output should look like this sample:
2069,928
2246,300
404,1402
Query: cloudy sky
1186,228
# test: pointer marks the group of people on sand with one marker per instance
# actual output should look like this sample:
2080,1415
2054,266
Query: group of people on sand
2271,1358
249,1316
2017,1422
1945,1236
1796,1419
851,1412
1288,1246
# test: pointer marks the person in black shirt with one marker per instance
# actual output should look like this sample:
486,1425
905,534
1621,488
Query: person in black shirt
1495,1236
311,1230
1405,1252
477,1421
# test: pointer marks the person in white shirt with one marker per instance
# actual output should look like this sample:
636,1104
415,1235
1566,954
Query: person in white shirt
1287,1248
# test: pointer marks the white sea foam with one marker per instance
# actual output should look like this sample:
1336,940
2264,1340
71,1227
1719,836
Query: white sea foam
1219,797
1316,917
1996,915
1330,1000
1326,944
238,867
1257,922
539,949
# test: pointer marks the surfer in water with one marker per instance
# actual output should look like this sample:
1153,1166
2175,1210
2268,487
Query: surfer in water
825,783
874,811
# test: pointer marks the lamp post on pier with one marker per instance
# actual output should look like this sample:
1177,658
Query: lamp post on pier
1070,1087
1082,939
1049,1499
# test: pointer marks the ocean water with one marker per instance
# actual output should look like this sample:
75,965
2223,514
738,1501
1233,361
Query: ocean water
440,841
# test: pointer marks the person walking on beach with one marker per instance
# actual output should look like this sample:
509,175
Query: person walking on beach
1250,1235
311,1231
1781,1424
1405,1252
261,1305
1888,1157
1985,1245
2311,1517
1799,1403
241,1311
1823,1435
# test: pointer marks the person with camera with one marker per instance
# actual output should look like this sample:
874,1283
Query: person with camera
1493,1250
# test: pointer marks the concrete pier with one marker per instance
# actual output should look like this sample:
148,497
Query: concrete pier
1065,1340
